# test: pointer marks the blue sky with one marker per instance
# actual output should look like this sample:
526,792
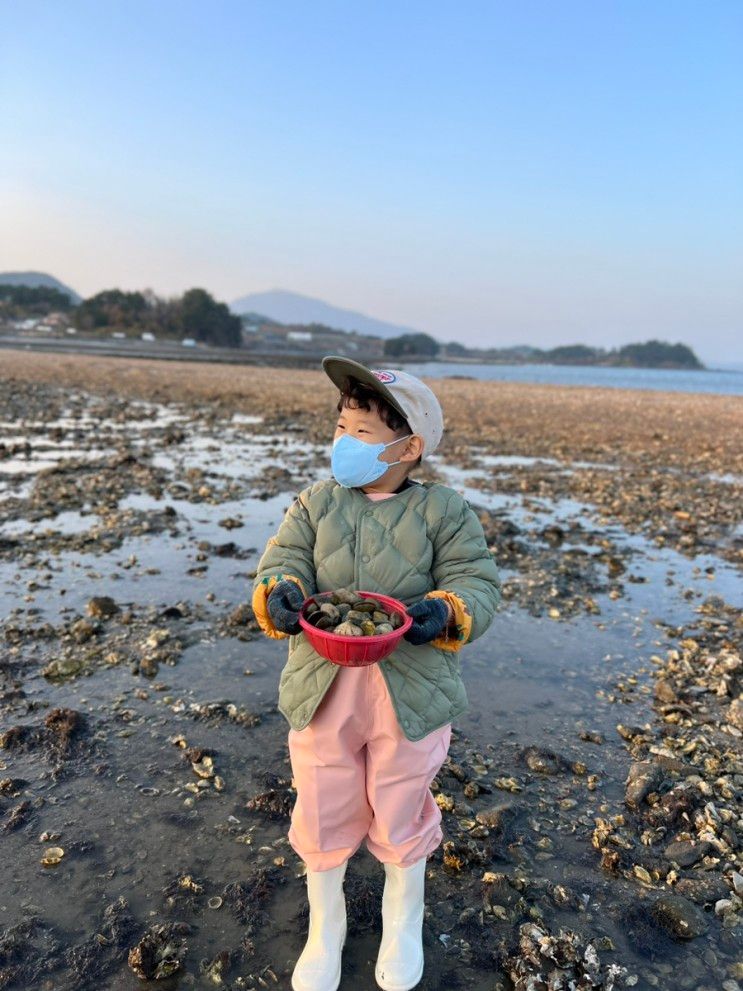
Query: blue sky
493,173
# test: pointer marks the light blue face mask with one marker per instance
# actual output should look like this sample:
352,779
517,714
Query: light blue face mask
355,463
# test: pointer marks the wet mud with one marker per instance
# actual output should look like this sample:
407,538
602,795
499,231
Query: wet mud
591,800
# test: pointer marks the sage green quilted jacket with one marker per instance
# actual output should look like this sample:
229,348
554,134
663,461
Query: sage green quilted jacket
425,541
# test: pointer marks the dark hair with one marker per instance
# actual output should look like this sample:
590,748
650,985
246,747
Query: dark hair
365,398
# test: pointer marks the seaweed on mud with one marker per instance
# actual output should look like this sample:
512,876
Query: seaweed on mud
63,736
65,726
89,961
363,901
277,802
184,892
485,943
28,950
246,899
32,950
642,929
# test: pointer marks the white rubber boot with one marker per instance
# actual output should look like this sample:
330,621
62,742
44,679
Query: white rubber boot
400,959
319,965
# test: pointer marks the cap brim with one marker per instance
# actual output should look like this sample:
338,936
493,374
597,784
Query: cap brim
338,369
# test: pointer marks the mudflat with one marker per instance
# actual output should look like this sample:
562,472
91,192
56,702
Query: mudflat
591,798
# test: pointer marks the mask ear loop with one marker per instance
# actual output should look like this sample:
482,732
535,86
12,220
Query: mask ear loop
391,463
396,440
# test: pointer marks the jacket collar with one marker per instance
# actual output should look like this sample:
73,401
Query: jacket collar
401,490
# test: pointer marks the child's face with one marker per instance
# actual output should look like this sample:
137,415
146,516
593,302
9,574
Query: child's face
368,426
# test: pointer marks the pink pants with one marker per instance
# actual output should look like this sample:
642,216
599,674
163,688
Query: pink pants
358,777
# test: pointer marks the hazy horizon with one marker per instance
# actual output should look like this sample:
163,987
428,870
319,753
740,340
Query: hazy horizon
495,175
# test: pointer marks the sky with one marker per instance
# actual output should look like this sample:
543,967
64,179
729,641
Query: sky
495,173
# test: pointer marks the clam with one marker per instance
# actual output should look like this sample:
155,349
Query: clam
347,613
52,856
345,596
365,605
348,629
204,768
356,616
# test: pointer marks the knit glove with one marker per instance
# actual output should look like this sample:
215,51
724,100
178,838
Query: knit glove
283,606
430,616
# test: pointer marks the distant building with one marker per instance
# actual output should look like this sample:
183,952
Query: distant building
313,339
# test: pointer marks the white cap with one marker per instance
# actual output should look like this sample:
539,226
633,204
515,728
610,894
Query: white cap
406,393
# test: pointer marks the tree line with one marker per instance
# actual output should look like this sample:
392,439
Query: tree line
651,354
195,314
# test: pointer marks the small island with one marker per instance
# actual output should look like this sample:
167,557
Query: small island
651,354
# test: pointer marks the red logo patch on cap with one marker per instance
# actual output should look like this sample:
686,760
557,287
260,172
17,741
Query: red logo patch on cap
385,376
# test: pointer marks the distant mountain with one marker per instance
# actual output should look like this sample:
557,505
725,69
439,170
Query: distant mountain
35,279
291,308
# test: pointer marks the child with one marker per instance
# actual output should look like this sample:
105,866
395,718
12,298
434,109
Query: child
366,742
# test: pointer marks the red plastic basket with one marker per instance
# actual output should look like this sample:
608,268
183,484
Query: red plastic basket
355,651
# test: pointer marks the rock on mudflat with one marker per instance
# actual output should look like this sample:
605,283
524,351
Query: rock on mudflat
497,816
702,890
544,761
735,713
679,916
101,606
643,777
686,852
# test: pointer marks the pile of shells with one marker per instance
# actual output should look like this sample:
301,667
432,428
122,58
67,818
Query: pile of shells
349,614
679,834
562,960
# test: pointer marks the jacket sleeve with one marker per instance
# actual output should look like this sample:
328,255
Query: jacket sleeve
288,554
465,574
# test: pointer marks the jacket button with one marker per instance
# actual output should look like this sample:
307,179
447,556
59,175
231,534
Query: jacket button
365,558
